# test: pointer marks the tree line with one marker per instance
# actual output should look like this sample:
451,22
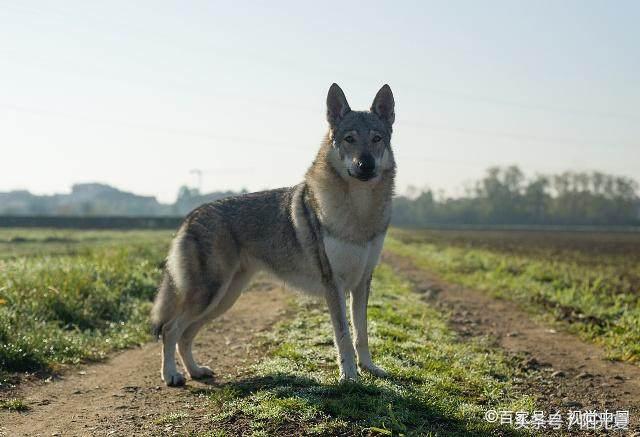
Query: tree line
506,196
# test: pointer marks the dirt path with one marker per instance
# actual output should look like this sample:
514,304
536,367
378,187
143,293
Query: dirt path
573,375
125,396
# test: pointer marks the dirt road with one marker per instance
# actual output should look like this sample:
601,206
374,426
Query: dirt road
572,374
125,396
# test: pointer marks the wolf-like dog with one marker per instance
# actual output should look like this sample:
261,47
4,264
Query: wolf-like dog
323,236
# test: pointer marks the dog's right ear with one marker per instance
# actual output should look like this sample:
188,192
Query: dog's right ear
337,106
383,105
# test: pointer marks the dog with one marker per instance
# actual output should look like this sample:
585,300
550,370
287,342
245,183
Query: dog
323,236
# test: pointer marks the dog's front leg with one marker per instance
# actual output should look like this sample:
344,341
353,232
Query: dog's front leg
346,355
359,301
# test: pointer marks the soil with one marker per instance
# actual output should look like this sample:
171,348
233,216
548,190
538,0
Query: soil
125,395
563,372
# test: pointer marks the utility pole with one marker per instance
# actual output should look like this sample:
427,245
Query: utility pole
198,173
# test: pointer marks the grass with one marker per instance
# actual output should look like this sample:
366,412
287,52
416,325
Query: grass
23,242
171,418
13,405
62,305
437,385
72,296
588,283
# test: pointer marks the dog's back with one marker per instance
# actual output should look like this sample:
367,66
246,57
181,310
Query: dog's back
256,225
269,230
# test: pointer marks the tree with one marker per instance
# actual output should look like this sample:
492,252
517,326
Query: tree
506,196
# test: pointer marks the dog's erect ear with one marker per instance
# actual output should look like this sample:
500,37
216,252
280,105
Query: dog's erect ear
337,106
383,105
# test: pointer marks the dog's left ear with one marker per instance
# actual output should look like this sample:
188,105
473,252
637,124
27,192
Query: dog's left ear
384,106
337,105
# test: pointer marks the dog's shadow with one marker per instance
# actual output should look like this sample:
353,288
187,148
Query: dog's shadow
392,406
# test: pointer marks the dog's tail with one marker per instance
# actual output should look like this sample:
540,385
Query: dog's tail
164,306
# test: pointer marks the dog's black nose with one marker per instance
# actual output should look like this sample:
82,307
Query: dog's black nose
366,163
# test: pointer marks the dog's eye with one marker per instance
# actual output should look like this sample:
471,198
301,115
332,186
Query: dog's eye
349,139
376,138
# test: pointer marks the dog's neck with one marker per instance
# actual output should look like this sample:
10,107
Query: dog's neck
349,209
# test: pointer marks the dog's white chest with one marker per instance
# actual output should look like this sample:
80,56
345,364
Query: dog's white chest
349,261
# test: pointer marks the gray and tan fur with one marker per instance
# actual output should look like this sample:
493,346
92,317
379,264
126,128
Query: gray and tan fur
323,236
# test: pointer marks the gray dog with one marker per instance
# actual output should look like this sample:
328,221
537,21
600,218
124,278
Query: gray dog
323,236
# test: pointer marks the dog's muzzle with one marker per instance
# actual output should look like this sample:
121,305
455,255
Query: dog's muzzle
363,167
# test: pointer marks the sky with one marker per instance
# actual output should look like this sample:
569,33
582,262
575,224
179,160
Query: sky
139,94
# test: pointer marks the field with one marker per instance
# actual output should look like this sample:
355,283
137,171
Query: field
588,282
72,298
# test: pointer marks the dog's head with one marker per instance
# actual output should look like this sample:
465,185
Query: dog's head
361,140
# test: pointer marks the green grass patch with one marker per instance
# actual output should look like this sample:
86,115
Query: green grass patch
13,405
26,242
65,308
171,418
594,294
437,384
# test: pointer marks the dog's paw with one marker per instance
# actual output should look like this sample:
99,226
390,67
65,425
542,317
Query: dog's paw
174,380
201,372
348,378
374,370
349,373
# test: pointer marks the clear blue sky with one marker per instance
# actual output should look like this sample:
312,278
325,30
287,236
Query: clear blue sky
136,94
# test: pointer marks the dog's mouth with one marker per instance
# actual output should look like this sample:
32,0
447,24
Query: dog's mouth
362,176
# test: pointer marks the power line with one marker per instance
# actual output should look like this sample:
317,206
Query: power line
535,106
152,128
520,136
291,146
513,135
529,106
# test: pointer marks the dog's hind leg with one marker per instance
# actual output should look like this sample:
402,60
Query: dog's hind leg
170,334
168,320
186,322
201,281
186,355
185,343
191,311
